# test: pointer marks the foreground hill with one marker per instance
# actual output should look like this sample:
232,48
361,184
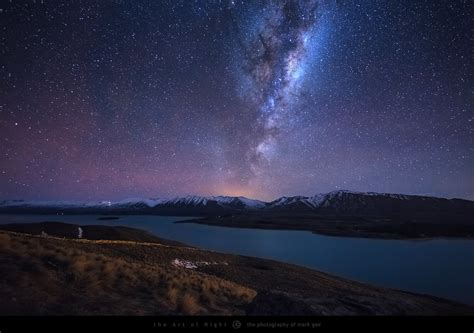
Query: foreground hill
92,232
42,274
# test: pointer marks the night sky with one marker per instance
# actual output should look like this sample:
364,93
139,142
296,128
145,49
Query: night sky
116,99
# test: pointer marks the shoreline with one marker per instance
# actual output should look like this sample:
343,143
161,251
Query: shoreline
351,230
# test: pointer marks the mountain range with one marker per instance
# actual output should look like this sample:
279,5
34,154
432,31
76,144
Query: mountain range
340,202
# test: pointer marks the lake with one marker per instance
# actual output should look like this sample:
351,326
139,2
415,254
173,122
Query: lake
439,267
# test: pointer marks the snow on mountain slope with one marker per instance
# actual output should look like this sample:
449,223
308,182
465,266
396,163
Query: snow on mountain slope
287,201
342,201
222,201
252,203
137,202
345,199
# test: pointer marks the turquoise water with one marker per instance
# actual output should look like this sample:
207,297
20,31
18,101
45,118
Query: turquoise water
440,267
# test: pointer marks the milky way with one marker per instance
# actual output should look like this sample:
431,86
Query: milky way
114,99
274,57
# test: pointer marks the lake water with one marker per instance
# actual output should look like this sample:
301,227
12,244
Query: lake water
437,267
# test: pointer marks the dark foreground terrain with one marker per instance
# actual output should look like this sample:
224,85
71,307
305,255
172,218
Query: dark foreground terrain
345,226
47,269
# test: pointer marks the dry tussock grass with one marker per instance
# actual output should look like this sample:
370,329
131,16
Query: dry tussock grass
45,275
100,284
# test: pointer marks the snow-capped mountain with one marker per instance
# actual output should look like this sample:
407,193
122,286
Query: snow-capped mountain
293,203
344,202
194,201
179,205
339,199
136,203
335,203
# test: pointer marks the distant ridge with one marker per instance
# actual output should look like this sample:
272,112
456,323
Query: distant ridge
341,202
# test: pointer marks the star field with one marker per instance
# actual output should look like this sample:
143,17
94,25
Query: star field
116,99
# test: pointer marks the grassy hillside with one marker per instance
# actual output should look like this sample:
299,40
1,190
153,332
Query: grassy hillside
94,232
56,276
51,275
